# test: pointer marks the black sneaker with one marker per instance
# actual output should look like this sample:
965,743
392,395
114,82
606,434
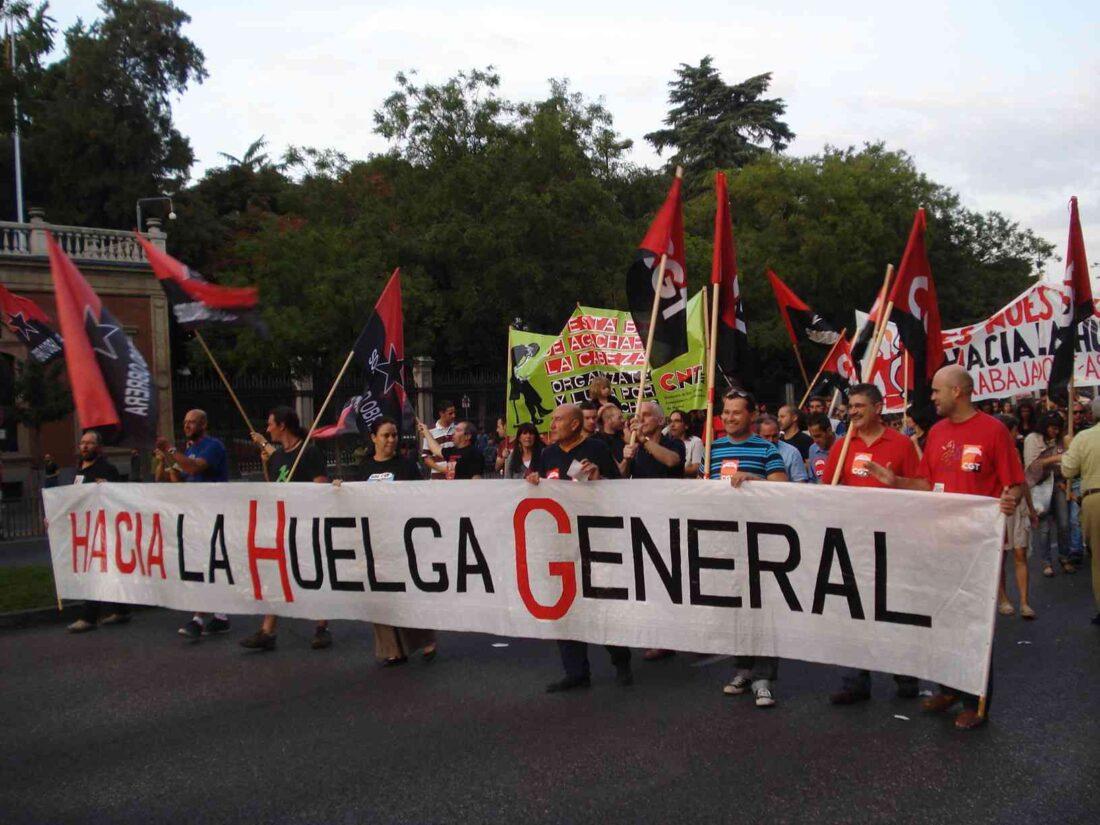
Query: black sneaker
322,639
569,683
259,641
192,630
215,626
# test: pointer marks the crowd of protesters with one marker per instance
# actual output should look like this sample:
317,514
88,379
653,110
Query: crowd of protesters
1044,479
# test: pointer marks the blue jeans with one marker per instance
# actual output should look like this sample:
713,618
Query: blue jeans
1076,538
1056,519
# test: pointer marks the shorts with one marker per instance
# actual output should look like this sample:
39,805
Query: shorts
1017,530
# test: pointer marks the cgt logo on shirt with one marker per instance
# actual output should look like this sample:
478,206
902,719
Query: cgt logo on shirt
971,458
859,465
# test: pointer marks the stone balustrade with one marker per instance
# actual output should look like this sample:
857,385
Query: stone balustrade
81,243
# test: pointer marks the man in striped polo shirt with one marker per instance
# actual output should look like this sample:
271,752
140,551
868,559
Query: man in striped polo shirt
742,456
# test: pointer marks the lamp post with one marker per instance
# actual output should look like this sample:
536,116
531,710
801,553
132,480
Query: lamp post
171,211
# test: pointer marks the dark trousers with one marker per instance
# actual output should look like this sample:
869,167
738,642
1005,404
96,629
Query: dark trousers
93,609
859,681
574,657
762,667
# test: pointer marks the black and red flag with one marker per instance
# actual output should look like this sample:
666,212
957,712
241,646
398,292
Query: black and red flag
665,237
732,344
803,324
31,326
380,352
1076,307
111,383
916,312
839,370
195,301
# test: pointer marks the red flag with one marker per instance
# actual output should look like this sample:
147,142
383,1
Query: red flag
732,354
665,236
803,324
1078,305
916,312
110,381
31,326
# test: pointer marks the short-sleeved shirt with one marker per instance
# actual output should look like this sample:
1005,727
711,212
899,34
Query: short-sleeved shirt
753,455
693,450
464,462
212,451
644,465
801,441
554,462
614,441
445,437
977,456
793,462
394,469
310,467
101,468
816,462
891,449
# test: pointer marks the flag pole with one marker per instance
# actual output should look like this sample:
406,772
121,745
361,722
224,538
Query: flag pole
801,367
711,361
706,320
876,343
883,292
221,375
905,380
1072,390
810,384
317,418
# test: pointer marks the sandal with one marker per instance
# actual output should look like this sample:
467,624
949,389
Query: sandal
1005,609
1026,612
1048,571
429,653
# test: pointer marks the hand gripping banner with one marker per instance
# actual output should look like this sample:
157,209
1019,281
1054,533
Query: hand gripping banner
798,571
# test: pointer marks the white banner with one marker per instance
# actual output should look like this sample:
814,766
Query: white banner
880,579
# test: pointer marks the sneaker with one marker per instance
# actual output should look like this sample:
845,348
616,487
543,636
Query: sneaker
1005,609
739,685
764,698
81,626
215,626
192,630
259,641
116,618
322,639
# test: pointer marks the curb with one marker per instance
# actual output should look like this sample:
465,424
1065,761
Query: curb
70,612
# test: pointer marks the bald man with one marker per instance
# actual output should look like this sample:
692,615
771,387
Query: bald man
967,452
572,457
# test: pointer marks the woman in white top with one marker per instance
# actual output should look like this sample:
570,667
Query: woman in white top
1042,457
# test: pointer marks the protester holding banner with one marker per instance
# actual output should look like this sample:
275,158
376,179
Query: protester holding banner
1082,460
94,468
284,464
524,457
392,645
741,456
1043,463
967,452
204,460
767,427
572,456
651,454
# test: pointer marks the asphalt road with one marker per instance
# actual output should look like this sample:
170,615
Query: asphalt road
133,724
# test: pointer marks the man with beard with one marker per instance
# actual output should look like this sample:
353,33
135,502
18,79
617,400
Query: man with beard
693,445
790,424
612,424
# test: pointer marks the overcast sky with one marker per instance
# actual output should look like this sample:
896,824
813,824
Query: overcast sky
999,101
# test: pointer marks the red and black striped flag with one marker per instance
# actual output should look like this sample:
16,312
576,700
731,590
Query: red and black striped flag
1076,307
31,326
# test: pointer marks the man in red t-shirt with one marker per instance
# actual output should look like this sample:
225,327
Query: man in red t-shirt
870,441
967,452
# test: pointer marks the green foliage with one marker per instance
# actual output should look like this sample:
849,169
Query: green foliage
41,396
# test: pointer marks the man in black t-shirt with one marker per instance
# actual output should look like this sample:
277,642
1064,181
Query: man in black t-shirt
610,431
95,468
652,455
572,456
464,460
792,431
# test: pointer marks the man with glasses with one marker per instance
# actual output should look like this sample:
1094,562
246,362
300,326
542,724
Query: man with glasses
740,456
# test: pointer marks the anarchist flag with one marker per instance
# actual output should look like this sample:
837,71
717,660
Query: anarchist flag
732,354
665,235
380,352
111,383
839,370
863,339
31,326
1076,307
803,324
916,312
195,301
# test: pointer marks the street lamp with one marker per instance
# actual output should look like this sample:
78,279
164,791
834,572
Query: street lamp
171,212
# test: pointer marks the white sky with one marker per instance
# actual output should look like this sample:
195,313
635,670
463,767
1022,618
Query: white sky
998,100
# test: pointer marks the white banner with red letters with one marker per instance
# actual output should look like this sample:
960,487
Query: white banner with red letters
886,580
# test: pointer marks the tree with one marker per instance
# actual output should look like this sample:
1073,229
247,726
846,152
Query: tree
712,125
41,396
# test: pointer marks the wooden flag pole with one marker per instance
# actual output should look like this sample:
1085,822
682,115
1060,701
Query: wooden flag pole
802,368
649,338
221,375
905,378
1071,391
711,363
883,292
876,343
821,369
706,320
317,418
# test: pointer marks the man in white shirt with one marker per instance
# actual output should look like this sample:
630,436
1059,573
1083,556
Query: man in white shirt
444,434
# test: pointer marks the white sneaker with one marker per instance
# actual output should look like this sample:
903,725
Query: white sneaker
739,685
81,626
764,698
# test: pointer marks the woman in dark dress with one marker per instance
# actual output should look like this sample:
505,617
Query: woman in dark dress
392,645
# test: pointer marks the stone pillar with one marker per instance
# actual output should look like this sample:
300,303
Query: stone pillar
157,236
303,399
38,230
422,377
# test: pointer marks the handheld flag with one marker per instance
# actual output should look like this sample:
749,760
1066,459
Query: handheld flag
111,383
195,301
732,341
1076,307
803,324
31,326
665,237
380,351
839,371
916,312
